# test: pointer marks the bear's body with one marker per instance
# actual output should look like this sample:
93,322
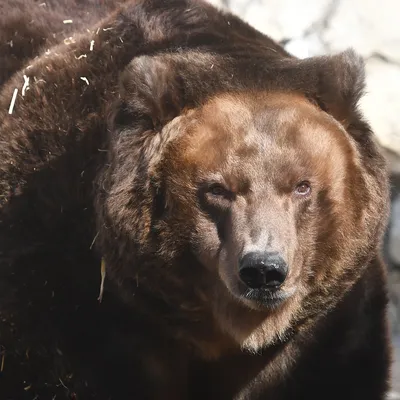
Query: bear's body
180,145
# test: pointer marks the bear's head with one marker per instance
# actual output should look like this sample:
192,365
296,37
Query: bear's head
254,202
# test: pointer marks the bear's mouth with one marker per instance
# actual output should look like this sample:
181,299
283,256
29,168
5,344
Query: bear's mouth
267,298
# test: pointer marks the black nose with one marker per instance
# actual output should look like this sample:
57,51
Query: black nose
263,270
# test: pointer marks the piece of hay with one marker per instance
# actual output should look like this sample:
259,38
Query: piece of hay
14,97
69,40
85,80
26,85
62,384
103,278
97,234
91,45
67,21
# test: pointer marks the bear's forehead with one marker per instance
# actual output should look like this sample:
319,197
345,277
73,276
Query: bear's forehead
261,126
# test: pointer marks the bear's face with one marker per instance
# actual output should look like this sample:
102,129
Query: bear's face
253,209
261,179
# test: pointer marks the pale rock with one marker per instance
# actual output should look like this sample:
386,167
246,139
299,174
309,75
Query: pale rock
304,47
370,26
394,163
280,19
218,3
381,104
394,233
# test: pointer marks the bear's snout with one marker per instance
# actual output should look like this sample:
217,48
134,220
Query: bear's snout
261,270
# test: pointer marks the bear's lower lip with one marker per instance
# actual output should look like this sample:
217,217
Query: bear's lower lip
266,298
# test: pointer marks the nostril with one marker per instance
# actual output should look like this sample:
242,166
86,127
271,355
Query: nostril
252,277
273,278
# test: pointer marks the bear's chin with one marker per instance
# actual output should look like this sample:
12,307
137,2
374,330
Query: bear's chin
265,299
258,322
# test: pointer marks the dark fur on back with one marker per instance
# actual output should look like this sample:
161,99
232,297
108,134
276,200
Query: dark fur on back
77,174
28,28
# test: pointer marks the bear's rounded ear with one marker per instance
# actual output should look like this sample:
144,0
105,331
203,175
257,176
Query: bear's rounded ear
340,85
151,89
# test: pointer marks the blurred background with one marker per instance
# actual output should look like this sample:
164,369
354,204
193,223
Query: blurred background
372,27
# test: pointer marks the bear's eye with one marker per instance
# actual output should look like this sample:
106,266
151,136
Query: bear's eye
217,190
303,188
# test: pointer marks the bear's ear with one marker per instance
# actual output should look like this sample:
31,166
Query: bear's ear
340,85
151,92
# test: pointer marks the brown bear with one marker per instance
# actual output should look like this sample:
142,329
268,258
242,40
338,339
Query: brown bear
236,198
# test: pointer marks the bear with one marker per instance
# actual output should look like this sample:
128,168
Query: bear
226,199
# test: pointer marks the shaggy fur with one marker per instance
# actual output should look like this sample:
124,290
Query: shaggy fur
112,151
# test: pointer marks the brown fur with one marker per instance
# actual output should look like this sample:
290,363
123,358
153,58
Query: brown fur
30,27
120,147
